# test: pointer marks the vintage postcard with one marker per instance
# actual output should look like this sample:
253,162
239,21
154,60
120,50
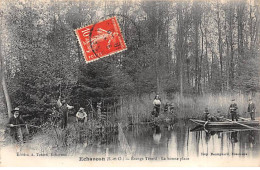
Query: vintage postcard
129,83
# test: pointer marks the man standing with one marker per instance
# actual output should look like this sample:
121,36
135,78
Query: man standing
157,105
233,110
15,123
64,108
251,109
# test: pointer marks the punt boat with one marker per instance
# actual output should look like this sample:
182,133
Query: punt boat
226,123
219,129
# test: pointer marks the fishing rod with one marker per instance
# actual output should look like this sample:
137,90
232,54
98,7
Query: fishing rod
241,124
25,125
241,130
231,130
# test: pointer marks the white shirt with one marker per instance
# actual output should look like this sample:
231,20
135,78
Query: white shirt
70,107
81,115
157,102
60,104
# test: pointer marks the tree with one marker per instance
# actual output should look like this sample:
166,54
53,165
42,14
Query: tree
2,74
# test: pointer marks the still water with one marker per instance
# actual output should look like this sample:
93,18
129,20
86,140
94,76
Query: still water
178,140
155,142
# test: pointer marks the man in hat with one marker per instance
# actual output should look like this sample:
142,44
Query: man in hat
233,110
81,116
251,109
209,117
15,123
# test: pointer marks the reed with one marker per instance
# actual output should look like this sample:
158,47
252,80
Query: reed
71,140
134,109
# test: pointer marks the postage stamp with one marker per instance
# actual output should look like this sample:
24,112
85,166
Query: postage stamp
101,39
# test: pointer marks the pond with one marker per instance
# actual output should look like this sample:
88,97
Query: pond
156,142
178,141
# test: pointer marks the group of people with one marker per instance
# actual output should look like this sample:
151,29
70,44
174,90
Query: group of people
64,107
16,122
233,111
157,103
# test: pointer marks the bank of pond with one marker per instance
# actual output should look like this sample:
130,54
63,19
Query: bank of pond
179,139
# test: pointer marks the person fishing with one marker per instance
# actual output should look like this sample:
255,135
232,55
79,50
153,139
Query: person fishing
64,108
208,117
251,109
81,116
157,105
166,107
233,110
15,123
55,116
219,116
206,114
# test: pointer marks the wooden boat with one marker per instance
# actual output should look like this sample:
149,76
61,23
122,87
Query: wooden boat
226,123
219,129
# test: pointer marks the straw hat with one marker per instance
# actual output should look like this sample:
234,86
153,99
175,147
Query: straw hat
16,109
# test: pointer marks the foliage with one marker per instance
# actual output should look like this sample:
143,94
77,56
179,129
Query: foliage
73,139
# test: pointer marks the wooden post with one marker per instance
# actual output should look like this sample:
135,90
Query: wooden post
121,105
107,152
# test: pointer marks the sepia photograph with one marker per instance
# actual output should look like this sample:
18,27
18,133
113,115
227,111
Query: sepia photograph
123,83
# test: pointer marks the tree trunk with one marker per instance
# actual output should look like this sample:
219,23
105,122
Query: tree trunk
227,57
220,47
232,62
206,56
196,19
201,60
3,82
7,97
157,53
240,41
179,45
250,28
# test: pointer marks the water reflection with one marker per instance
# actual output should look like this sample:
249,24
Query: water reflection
179,141
232,142
251,137
157,134
234,137
173,141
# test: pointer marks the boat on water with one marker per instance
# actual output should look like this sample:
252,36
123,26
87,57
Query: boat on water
219,129
226,123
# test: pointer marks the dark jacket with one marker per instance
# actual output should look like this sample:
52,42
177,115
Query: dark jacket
233,108
64,110
251,107
16,121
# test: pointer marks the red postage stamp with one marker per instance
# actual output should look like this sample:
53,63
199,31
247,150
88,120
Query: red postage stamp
101,39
